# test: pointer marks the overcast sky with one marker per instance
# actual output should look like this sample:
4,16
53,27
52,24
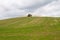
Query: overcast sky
14,8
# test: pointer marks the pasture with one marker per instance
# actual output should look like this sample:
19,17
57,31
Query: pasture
30,28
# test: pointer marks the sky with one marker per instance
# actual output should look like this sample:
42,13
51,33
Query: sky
15,8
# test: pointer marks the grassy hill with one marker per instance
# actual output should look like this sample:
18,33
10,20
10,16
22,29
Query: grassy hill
30,28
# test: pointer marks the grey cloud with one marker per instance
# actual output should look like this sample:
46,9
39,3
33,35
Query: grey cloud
37,5
52,10
14,9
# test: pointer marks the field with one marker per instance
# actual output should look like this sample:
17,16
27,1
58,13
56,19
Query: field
30,28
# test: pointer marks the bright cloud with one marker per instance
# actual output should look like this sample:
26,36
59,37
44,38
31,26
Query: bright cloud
14,8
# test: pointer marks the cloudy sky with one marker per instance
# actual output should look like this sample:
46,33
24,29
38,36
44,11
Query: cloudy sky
14,8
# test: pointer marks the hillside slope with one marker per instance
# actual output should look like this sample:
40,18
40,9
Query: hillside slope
30,28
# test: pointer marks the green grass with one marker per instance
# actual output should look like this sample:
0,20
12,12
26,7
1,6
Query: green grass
30,28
